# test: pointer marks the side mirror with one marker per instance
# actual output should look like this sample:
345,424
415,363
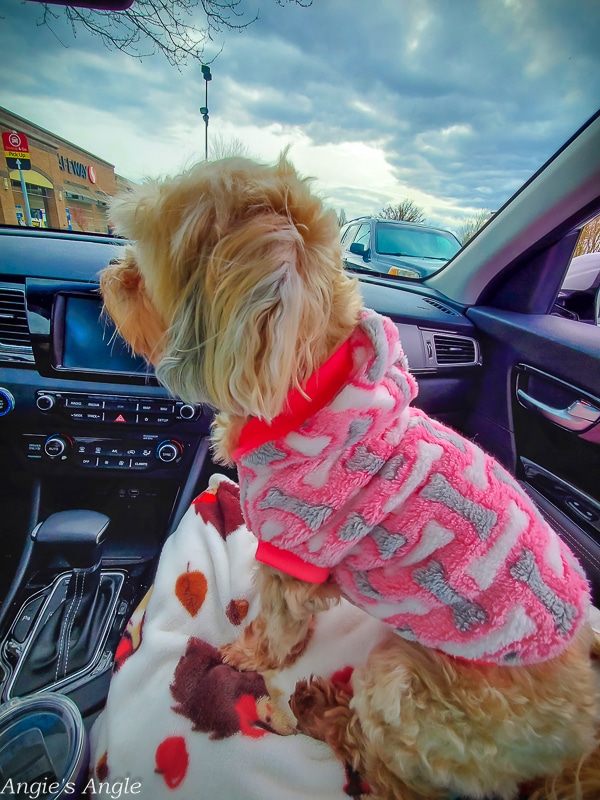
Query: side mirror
359,249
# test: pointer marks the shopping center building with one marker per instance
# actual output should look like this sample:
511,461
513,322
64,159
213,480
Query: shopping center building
67,187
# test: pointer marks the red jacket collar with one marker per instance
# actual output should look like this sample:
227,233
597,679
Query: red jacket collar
320,389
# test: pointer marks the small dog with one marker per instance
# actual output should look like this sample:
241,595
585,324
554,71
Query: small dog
234,289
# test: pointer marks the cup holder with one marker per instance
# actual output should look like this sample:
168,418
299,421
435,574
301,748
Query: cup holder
43,746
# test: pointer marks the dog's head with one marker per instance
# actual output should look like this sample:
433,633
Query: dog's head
233,285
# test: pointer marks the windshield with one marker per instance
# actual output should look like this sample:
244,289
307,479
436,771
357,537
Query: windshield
414,242
423,118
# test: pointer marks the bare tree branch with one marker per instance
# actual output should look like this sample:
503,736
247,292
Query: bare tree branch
471,225
169,27
407,211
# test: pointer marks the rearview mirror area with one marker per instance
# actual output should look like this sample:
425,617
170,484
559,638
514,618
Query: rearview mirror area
101,5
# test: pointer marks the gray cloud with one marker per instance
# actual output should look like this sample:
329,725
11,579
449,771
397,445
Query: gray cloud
464,99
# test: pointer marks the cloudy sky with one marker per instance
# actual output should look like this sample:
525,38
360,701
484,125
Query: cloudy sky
452,103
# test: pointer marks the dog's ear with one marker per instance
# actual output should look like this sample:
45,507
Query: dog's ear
127,303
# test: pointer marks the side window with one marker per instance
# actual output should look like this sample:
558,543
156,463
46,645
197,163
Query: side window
348,236
579,294
364,235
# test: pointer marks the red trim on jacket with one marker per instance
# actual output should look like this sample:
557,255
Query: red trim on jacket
321,388
289,563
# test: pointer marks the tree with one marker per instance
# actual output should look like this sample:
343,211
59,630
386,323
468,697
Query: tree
472,224
407,211
226,146
589,239
169,27
81,218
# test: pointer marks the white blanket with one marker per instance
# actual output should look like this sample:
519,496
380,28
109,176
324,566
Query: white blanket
178,722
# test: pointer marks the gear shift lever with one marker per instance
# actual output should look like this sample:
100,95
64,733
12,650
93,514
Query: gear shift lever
69,631
75,536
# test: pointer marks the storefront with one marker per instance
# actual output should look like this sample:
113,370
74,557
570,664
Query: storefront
67,187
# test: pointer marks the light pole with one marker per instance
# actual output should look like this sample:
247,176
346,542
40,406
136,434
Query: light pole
204,109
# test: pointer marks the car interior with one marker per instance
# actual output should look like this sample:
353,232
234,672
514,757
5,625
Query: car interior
100,463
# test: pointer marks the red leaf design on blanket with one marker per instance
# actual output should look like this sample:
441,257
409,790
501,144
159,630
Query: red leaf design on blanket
247,710
237,611
172,760
124,650
102,767
221,509
342,678
190,588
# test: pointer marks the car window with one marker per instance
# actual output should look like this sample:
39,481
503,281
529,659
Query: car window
349,235
416,242
364,235
579,294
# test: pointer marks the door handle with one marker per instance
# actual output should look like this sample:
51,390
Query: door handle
579,416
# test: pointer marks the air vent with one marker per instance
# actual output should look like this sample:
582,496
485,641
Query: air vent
440,306
455,350
15,342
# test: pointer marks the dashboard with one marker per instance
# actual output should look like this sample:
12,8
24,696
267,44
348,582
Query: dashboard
75,405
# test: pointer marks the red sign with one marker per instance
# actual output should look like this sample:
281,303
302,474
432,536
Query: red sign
91,174
16,150
15,142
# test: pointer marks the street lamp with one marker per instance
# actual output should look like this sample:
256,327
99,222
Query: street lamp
204,109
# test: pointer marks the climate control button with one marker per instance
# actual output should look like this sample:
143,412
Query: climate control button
168,451
56,446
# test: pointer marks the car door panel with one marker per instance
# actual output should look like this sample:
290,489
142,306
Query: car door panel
535,368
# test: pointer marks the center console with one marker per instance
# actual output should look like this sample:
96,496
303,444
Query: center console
85,429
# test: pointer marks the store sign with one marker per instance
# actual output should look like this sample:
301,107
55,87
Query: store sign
76,168
16,150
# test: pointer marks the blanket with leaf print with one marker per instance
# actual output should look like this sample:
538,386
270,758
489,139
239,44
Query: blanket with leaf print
181,724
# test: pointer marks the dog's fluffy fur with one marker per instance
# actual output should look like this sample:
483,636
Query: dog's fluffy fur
234,288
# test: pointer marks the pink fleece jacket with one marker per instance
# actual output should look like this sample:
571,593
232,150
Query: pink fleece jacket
416,524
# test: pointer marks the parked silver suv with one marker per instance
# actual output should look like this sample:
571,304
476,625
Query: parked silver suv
405,249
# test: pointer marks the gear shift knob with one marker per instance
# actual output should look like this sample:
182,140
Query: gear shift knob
76,535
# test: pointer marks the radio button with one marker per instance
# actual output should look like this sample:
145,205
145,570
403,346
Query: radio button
187,411
45,402
74,402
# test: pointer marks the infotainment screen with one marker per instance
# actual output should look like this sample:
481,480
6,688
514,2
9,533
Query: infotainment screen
91,342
